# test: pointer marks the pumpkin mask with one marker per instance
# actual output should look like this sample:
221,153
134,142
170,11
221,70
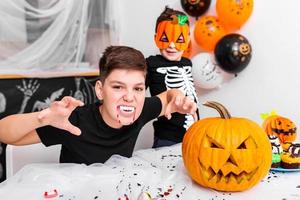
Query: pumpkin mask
176,31
226,153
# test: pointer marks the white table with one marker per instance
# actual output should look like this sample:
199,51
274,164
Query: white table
157,171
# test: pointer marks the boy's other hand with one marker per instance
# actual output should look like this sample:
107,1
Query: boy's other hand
57,115
181,104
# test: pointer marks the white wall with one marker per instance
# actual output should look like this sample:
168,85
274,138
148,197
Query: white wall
15,30
270,81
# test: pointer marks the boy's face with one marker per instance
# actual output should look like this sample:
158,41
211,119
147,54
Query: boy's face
172,37
171,53
123,95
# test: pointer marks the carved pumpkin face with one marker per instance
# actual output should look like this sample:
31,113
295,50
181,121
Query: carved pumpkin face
226,154
176,31
281,127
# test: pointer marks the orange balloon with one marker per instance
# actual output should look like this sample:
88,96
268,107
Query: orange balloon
233,14
208,31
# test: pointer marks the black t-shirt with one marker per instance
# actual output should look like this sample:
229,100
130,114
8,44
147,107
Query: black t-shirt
97,142
163,75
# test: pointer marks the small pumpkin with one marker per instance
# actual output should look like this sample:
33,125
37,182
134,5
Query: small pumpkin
281,127
226,153
175,30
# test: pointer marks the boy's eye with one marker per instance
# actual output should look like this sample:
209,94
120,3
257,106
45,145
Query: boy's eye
117,87
164,38
180,39
139,89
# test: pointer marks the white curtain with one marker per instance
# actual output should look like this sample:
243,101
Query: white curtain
55,35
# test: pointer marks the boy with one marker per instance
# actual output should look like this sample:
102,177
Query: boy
93,133
170,70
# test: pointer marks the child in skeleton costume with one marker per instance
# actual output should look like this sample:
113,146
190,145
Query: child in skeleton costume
170,70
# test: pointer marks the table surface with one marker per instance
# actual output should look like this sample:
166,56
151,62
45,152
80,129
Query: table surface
160,172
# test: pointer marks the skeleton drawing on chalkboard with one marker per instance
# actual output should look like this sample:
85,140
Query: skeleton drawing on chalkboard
40,105
2,103
84,90
28,90
79,94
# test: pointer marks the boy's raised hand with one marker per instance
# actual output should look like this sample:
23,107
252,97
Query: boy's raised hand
57,115
177,102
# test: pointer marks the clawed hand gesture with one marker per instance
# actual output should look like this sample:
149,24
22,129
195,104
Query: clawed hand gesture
181,104
57,115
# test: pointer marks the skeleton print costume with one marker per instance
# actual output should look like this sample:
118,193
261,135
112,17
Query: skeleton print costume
164,75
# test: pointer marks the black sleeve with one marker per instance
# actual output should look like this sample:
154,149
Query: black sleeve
152,108
50,135
186,61
148,74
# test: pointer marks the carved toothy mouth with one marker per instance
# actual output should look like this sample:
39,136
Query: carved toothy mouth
219,176
281,131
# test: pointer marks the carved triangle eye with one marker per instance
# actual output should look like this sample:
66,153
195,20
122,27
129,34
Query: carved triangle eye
164,38
180,39
249,143
214,144
242,146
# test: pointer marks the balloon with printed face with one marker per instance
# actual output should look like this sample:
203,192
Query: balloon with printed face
233,53
195,8
208,31
205,71
234,13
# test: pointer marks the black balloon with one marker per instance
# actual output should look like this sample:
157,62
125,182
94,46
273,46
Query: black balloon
195,8
233,53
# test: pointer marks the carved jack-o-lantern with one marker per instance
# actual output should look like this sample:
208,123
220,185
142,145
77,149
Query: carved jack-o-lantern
226,153
281,127
176,31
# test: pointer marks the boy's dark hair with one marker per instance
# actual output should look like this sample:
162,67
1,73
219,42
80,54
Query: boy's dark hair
121,57
166,16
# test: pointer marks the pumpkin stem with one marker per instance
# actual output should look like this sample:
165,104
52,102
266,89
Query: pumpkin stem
219,107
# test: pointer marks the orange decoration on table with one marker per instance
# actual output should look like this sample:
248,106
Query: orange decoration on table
282,127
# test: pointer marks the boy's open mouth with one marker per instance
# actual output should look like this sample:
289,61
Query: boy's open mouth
126,114
126,109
